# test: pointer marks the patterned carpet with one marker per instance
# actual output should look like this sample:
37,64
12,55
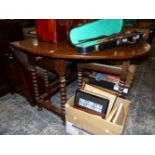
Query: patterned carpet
17,117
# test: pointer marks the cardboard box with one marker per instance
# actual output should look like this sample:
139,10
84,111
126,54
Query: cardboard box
74,130
93,124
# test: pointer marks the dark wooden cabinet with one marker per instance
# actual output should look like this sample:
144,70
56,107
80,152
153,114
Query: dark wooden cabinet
9,31
14,77
18,77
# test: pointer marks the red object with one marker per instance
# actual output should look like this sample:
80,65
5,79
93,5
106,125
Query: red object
55,30
46,29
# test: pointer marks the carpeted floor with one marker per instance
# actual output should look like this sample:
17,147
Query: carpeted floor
141,117
17,117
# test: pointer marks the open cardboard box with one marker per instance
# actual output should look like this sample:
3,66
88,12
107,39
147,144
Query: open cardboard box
94,124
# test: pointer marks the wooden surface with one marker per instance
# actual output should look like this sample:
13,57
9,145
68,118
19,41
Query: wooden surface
65,51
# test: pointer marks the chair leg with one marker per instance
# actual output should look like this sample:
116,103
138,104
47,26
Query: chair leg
121,87
123,77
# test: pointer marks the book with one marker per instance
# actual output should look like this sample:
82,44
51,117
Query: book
102,83
105,77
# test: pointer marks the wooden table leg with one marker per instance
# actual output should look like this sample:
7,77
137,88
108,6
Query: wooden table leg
35,85
60,68
34,81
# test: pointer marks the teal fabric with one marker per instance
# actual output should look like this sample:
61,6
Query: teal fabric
97,28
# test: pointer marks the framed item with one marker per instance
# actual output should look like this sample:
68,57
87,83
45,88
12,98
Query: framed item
91,103
101,92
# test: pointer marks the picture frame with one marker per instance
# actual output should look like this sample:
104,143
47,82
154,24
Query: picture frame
91,103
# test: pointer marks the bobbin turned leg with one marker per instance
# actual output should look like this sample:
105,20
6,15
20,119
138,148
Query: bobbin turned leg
35,85
46,79
121,87
60,68
63,95
80,80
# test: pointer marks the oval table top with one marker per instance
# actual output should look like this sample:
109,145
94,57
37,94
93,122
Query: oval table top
65,51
